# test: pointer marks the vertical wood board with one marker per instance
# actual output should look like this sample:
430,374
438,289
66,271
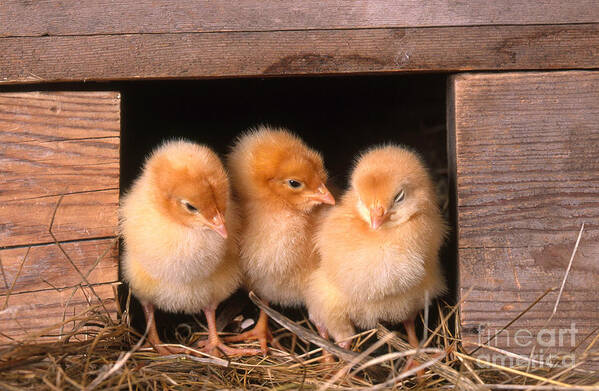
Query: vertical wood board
527,167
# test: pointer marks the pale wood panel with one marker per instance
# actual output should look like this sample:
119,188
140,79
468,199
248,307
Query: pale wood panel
25,269
52,116
79,216
26,315
194,55
527,163
27,18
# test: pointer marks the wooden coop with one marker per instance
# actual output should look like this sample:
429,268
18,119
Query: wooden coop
520,83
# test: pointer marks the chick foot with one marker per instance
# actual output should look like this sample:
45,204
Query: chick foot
326,356
413,340
163,350
153,340
214,345
261,332
218,348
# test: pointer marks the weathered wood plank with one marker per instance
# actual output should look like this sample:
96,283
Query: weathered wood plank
59,155
41,267
58,143
507,280
55,143
54,116
40,169
79,216
26,18
203,55
537,178
527,165
27,314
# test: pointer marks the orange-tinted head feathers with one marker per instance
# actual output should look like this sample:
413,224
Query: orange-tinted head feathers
274,164
391,184
190,184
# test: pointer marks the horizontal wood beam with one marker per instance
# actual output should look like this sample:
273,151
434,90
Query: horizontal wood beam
79,216
37,316
94,17
40,168
58,116
45,267
228,54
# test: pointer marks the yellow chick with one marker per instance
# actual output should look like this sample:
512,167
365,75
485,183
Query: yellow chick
279,181
179,228
379,248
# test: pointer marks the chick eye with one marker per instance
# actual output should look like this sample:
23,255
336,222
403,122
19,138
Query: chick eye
399,197
190,207
294,184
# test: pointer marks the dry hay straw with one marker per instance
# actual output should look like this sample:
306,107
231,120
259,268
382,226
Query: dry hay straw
100,353
103,354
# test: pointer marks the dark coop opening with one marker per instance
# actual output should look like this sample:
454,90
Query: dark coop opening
339,116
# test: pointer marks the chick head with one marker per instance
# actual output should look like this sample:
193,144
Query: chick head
274,164
190,185
392,185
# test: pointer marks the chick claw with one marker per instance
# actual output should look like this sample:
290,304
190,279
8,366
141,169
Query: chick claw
263,336
214,344
326,357
218,349
261,332
413,340
163,350
153,340
411,364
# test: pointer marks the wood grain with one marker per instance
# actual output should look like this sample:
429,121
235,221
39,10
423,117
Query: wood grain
204,55
58,143
45,168
527,168
58,116
59,155
42,267
52,144
538,179
79,216
87,17
37,315
508,280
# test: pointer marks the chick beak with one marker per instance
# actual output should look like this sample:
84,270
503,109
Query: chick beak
218,225
324,195
378,215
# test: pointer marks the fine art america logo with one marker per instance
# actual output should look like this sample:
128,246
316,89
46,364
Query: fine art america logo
550,347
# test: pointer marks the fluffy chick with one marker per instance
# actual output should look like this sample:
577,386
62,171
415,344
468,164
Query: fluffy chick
279,181
379,248
179,228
